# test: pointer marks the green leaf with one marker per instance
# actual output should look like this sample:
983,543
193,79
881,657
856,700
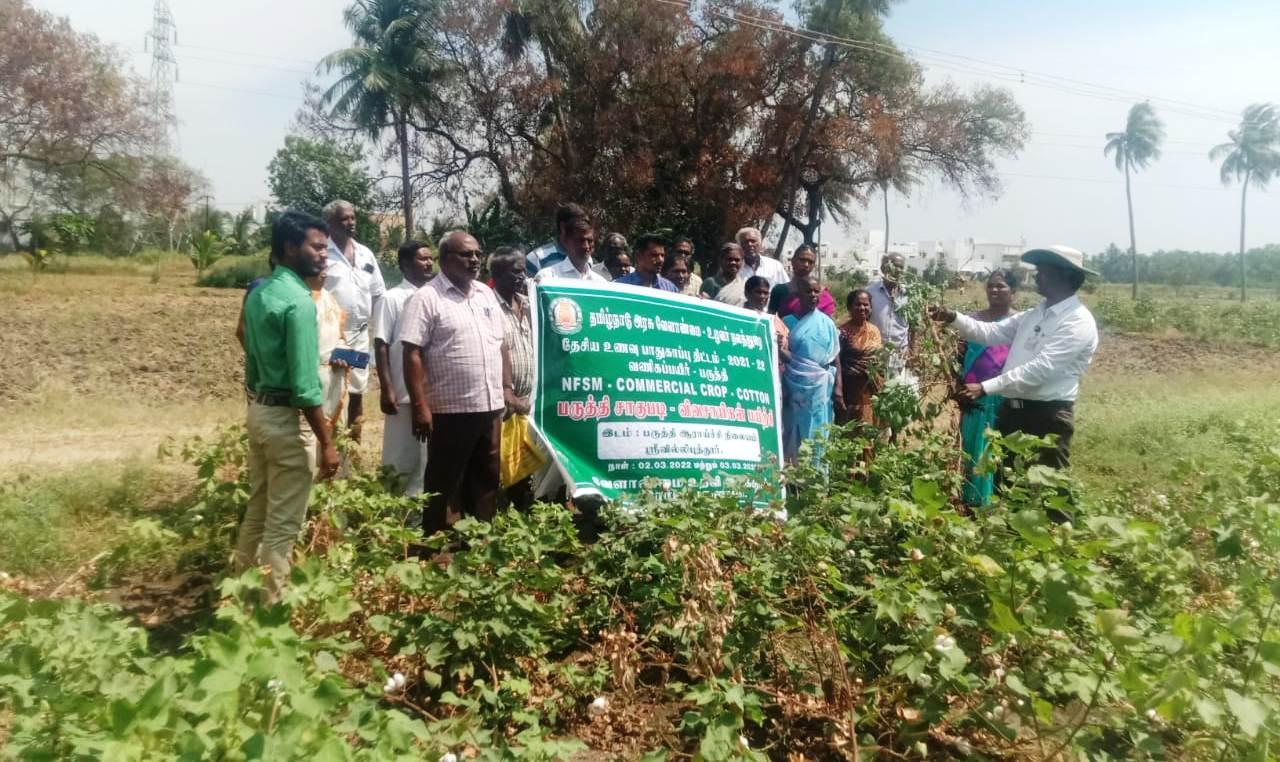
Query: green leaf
928,496
1210,711
339,609
1033,526
1113,623
122,714
326,662
1002,619
1229,543
1248,712
986,565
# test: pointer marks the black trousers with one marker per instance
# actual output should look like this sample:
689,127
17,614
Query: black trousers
1041,419
462,467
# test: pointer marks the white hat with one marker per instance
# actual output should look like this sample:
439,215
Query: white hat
1058,256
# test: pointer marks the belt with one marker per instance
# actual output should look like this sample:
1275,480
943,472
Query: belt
273,399
1040,404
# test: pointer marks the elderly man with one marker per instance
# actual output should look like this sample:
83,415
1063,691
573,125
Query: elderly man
571,220
356,282
282,374
755,262
577,237
507,268
888,306
403,453
1050,348
651,252
458,371
615,257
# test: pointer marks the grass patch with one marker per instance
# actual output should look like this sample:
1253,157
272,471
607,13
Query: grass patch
53,524
234,272
1136,430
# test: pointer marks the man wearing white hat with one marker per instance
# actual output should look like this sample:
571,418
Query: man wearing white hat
1050,348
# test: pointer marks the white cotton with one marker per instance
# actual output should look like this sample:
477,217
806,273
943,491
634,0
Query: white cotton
398,679
599,706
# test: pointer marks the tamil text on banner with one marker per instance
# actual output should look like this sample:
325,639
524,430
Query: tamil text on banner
638,388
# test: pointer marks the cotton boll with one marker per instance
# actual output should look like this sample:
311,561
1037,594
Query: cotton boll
599,706
399,680
449,757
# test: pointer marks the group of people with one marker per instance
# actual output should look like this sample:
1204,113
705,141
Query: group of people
454,355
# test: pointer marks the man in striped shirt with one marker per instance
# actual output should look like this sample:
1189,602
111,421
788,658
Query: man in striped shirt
574,235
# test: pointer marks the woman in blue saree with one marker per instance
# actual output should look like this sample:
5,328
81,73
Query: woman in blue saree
979,364
810,383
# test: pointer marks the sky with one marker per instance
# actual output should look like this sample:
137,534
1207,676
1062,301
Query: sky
242,64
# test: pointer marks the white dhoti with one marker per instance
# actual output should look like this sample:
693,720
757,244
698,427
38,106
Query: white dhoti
402,452
358,380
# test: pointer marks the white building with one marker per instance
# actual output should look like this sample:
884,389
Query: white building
968,255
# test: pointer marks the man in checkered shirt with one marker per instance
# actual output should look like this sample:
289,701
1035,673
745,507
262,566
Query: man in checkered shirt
458,372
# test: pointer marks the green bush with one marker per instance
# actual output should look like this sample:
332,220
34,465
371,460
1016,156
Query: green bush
875,615
234,272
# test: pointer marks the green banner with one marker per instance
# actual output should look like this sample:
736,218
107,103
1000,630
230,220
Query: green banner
641,389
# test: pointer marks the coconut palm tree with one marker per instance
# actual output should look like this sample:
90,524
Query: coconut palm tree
1134,149
389,71
1251,156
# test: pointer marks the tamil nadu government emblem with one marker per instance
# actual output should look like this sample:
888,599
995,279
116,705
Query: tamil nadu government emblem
566,316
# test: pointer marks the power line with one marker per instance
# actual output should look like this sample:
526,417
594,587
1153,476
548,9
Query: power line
1105,181
1012,74
1163,152
247,54
262,93
246,64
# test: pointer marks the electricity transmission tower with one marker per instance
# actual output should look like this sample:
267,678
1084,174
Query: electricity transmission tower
164,66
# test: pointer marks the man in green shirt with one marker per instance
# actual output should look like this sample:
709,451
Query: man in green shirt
281,370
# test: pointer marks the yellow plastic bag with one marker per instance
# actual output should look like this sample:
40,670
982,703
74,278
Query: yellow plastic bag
521,455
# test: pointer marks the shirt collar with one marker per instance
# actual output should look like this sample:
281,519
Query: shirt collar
287,274
447,285
1066,305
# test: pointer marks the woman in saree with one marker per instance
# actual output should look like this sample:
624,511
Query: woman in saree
810,383
980,363
678,268
786,296
859,342
728,285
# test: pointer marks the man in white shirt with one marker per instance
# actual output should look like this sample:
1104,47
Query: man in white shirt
755,262
356,282
888,305
400,449
579,243
1050,348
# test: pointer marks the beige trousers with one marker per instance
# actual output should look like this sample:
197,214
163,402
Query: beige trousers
282,464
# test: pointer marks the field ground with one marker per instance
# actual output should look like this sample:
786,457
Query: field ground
114,365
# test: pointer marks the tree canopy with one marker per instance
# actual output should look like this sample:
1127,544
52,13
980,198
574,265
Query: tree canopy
657,115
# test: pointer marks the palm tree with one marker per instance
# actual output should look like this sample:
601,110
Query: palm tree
1251,156
388,71
1134,149
557,28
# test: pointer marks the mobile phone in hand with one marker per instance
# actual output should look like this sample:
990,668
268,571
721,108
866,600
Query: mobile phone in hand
350,357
